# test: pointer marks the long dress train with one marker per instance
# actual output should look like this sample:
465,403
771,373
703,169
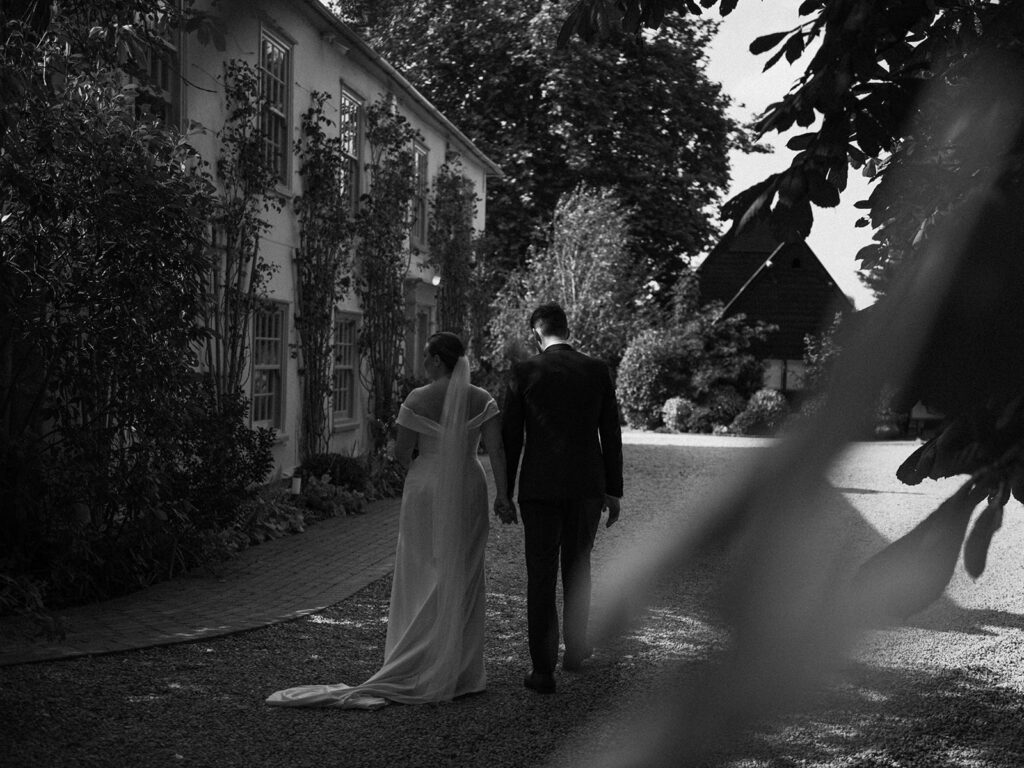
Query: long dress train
434,646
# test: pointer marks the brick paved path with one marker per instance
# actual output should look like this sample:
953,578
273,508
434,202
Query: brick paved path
275,581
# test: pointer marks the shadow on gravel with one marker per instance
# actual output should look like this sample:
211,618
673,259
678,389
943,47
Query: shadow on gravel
202,704
866,717
899,717
950,617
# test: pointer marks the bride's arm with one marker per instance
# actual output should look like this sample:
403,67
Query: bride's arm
405,444
491,434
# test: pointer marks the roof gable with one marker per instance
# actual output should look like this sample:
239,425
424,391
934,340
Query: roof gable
785,284
391,75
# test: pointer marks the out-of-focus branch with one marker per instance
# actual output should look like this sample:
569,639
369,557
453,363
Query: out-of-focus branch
791,612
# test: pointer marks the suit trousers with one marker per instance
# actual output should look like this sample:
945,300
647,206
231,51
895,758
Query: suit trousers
558,530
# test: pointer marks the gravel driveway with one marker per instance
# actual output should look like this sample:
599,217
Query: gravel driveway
948,690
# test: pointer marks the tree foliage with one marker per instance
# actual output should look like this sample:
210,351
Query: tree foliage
451,241
928,99
46,42
764,413
642,119
864,100
382,229
323,265
238,272
950,330
115,459
581,268
702,358
97,331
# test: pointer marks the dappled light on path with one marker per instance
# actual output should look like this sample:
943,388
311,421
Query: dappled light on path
204,700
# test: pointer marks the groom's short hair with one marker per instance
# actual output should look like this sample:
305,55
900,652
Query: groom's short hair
550,319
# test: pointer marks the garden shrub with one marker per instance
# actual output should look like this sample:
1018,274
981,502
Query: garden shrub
724,403
371,477
765,412
651,371
702,357
274,512
675,413
222,460
340,470
103,261
699,421
387,477
326,499
21,595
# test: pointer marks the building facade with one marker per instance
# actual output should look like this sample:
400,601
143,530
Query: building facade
299,47
784,284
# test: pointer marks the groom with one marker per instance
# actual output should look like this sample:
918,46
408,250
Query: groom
563,402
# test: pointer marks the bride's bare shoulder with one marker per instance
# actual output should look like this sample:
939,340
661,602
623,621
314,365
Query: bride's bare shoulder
426,400
479,396
417,396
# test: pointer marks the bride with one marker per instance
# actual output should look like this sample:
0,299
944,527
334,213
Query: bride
434,646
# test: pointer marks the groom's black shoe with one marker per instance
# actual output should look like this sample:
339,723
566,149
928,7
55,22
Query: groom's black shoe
540,682
572,661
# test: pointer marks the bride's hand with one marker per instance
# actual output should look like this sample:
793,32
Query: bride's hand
505,510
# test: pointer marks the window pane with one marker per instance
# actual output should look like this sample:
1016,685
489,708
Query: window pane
268,359
350,111
345,361
274,90
419,212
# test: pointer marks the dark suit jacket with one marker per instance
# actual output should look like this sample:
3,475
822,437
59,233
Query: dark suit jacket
563,403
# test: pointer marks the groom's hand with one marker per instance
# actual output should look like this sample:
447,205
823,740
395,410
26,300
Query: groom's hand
611,503
505,510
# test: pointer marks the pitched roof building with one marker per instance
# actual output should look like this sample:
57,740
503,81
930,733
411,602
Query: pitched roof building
784,284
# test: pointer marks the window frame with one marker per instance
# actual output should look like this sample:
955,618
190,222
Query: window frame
340,418
280,114
352,148
418,230
417,334
280,364
171,98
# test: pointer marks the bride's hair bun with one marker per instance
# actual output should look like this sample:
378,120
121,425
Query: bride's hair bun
447,346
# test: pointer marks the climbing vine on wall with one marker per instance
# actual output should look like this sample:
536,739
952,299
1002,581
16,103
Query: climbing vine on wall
239,274
382,228
322,267
450,238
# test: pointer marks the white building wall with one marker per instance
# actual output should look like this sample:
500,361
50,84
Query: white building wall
321,60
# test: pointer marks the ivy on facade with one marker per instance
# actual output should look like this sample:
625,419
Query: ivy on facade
239,274
450,237
382,228
322,267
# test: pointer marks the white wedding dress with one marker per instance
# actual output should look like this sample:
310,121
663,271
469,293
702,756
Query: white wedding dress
434,646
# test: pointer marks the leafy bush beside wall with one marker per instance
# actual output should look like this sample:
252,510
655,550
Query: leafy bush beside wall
340,470
765,413
116,462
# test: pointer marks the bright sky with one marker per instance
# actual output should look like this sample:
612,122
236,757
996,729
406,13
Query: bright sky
833,238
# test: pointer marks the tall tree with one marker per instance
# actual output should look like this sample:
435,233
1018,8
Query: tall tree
928,97
642,118
580,267
864,99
